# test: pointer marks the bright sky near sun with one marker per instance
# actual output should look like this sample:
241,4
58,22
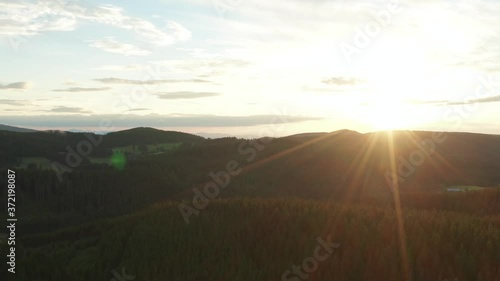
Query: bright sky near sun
238,66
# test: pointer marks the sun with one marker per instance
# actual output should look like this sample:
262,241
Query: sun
387,115
394,82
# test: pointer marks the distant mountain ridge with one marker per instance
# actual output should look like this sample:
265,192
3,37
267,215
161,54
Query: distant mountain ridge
146,135
16,129
54,144
340,158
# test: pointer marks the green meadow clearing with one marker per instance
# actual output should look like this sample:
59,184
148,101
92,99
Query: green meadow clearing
133,150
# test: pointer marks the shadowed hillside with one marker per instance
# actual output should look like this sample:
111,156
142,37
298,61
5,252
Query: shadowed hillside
257,223
15,129
355,242
53,145
343,166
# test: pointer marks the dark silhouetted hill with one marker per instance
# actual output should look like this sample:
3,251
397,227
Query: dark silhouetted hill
144,135
15,129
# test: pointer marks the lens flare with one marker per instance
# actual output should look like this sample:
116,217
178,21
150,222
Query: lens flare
118,160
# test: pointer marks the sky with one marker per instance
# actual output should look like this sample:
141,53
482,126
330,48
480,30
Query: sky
251,67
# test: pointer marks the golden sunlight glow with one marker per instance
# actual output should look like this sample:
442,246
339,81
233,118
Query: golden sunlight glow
387,115
395,73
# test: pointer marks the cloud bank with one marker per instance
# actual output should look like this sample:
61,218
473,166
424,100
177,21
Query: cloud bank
111,80
152,120
81,89
185,95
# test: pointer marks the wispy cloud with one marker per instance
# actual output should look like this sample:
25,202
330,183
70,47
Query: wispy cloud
14,102
464,102
138,109
341,81
196,64
15,85
423,102
179,32
69,82
487,64
322,90
27,18
204,67
112,80
81,89
120,68
482,100
185,95
32,18
112,45
68,109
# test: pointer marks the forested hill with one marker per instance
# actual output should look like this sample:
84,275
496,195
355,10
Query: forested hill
39,146
144,136
328,164
340,166
263,219
268,239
